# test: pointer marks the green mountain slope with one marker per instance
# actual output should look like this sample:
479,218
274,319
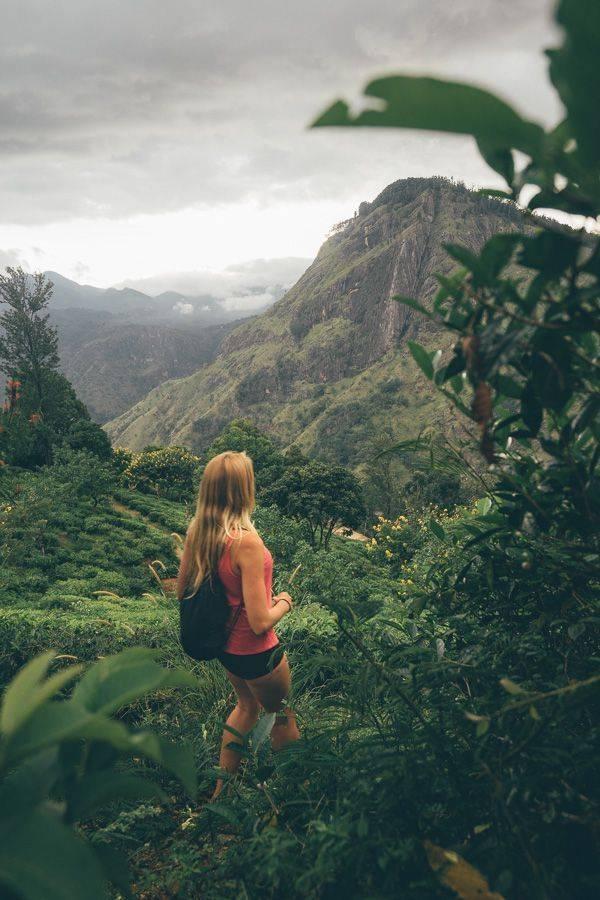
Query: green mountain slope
112,363
327,366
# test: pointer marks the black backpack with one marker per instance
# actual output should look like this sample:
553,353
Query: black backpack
203,620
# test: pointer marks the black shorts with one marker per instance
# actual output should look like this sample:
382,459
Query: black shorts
252,665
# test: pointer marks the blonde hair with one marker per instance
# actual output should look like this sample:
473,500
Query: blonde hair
223,509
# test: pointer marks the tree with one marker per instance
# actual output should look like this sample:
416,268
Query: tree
433,489
28,434
169,471
86,475
321,496
293,456
29,344
86,435
243,435
121,459
41,407
382,475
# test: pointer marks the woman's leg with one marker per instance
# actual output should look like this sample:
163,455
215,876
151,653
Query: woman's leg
271,691
243,718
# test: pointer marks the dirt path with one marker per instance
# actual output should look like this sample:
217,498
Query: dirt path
350,535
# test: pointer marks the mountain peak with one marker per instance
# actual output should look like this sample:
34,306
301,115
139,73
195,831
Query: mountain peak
407,190
322,359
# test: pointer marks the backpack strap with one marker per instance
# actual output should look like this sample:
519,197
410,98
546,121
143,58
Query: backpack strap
235,619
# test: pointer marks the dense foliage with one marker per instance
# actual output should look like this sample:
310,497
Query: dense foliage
41,411
320,495
519,586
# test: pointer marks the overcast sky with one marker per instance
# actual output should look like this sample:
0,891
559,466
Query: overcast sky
144,139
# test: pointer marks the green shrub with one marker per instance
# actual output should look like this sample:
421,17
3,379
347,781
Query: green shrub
82,627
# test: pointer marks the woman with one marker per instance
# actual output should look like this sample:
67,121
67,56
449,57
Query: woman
221,538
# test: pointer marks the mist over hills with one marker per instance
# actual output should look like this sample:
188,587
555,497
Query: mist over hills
117,343
169,307
327,366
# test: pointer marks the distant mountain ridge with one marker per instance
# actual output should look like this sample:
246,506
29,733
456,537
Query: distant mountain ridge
116,344
327,366
169,307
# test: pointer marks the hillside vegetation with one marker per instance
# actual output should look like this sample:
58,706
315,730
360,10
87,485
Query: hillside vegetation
113,364
328,365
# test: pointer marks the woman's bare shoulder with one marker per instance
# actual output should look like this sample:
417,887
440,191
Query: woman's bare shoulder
249,542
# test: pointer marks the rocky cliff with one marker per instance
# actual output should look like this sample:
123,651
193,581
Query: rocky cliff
326,367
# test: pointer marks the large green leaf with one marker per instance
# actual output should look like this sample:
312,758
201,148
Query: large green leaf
93,792
498,158
434,105
28,690
27,786
575,73
54,722
41,859
437,529
114,864
67,720
497,252
117,680
176,758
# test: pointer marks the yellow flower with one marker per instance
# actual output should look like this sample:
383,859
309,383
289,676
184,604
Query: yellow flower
389,554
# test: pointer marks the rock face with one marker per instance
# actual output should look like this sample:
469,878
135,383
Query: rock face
327,366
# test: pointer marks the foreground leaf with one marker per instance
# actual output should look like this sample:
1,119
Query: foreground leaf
435,105
457,874
28,690
117,680
41,859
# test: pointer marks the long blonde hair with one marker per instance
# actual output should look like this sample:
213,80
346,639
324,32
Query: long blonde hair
223,509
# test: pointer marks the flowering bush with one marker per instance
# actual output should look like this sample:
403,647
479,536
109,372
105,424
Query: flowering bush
121,459
169,471
395,541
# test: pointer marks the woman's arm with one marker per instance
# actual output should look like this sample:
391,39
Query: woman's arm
251,562
184,567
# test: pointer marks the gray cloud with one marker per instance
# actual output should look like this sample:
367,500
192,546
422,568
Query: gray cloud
14,258
117,108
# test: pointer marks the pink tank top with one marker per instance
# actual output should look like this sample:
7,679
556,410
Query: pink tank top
242,641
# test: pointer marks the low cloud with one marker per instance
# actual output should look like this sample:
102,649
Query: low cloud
186,309
81,271
239,286
249,302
